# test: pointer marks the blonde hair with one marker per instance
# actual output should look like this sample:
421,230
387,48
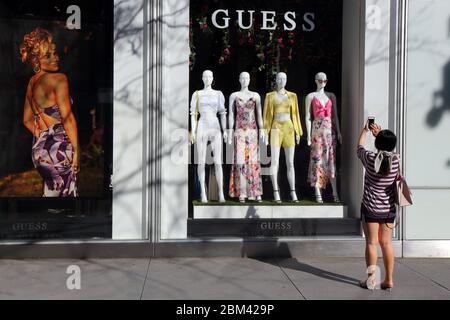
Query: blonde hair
36,45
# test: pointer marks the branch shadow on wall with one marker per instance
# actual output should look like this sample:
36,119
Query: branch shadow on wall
441,100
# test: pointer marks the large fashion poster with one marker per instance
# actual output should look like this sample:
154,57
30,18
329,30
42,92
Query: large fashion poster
56,118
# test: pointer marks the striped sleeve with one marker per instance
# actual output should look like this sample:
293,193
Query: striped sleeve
363,155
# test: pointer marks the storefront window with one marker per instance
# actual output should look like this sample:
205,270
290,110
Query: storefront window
243,52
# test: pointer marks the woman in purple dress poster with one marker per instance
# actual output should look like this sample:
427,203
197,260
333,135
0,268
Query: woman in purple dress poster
48,116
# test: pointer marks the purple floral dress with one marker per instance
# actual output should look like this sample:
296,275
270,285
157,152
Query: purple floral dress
322,164
52,155
246,152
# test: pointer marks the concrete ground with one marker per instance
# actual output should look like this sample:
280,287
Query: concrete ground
219,278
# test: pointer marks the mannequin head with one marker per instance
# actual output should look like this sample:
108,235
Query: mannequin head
207,78
244,79
281,80
321,80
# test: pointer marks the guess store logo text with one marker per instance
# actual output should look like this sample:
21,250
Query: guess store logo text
270,21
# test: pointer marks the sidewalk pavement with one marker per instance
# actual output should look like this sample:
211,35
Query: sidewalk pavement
220,278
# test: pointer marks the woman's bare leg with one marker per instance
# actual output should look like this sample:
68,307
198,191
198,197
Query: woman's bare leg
385,238
371,233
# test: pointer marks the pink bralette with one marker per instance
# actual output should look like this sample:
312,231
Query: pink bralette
320,111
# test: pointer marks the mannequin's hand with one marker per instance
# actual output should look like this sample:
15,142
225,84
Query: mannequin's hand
262,135
339,138
230,137
225,136
309,141
265,137
193,137
297,138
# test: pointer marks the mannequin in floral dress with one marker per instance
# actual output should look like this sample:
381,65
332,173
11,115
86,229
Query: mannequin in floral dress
245,105
323,134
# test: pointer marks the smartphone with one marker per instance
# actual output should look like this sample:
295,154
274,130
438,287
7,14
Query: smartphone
371,121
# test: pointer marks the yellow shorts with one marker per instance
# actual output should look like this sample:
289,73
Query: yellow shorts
282,134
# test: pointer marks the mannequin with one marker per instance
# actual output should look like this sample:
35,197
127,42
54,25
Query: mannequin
245,178
322,126
282,121
208,102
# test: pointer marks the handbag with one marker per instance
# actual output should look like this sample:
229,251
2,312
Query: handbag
402,195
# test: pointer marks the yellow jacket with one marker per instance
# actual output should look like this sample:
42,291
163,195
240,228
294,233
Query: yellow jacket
269,111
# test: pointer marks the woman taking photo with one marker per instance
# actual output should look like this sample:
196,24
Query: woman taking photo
378,210
48,116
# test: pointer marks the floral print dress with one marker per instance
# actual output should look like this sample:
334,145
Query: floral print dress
246,163
322,164
52,155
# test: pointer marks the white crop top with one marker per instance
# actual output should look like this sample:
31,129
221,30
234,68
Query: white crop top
209,102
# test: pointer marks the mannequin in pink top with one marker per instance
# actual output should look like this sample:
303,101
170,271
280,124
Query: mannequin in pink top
322,125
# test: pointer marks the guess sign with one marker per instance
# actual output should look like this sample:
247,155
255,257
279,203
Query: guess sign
221,19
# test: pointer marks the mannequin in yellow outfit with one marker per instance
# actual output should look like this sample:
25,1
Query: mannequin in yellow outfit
282,123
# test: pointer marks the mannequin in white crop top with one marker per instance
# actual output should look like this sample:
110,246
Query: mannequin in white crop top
205,105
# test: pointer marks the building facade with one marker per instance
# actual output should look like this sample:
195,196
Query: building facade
386,59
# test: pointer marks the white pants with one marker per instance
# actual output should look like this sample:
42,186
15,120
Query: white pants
208,131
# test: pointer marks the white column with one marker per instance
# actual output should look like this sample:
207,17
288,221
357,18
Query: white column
128,214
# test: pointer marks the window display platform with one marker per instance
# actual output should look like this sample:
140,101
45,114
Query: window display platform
268,210
318,227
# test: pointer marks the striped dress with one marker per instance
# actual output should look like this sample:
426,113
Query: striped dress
379,190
